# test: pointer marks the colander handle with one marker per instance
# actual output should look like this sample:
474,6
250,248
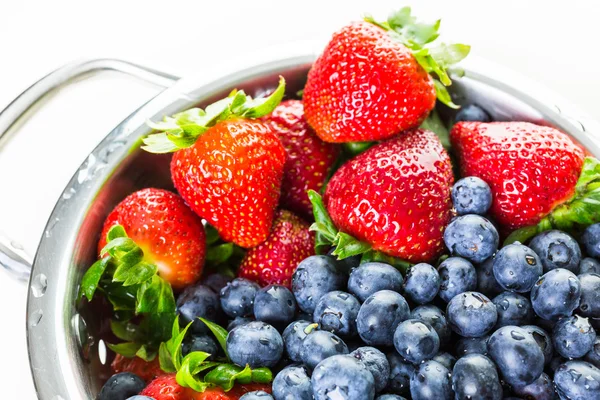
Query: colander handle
12,255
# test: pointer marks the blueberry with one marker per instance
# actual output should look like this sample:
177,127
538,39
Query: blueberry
436,318
257,395
556,294
336,312
400,373
541,389
198,301
389,397
256,344
315,277
472,237
471,314
517,268
589,265
446,359
543,339
342,377
466,346
121,386
593,356
376,363
292,383
237,321
216,281
293,336
416,341
458,275
517,355
422,283
379,316
577,380
557,250
200,342
471,195
275,305
486,281
431,381
573,337
319,345
372,277
237,298
471,112
513,309
474,377
591,240
589,304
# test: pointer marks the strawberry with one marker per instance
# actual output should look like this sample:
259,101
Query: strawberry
147,370
394,198
217,393
165,387
309,160
275,260
372,80
533,172
227,165
169,233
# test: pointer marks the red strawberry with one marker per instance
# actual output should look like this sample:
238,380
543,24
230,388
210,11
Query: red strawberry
372,81
309,159
165,387
531,169
216,393
275,260
169,233
395,196
144,369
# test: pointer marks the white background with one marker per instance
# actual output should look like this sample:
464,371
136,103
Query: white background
553,42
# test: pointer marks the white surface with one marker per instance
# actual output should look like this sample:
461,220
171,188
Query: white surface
553,42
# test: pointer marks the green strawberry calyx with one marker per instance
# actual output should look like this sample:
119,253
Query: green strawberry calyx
183,129
418,37
327,236
580,211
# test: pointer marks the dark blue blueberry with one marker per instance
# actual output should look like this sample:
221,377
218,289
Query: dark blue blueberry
593,356
486,281
304,316
472,237
315,277
458,275
556,294
200,342
422,283
256,344
541,389
474,377
517,268
577,380
471,314
557,250
342,377
556,362
471,112
446,359
237,298
573,337
591,240
431,381
543,339
400,373
336,312
589,304
517,355
237,321
121,386
436,318
376,363
257,395
198,301
390,397
293,336
275,305
372,277
379,316
466,346
416,341
471,195
589,265
292,383
216,281
345,265
319,345
513,309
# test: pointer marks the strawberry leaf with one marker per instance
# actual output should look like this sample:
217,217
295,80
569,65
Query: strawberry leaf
155,296
219,254
126,349
434,124
92,277
192,365
219,332
377,256
347,246
225,376
443,95
125,330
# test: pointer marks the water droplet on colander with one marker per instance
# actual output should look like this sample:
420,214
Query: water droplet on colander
39,284
35,318
69,193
